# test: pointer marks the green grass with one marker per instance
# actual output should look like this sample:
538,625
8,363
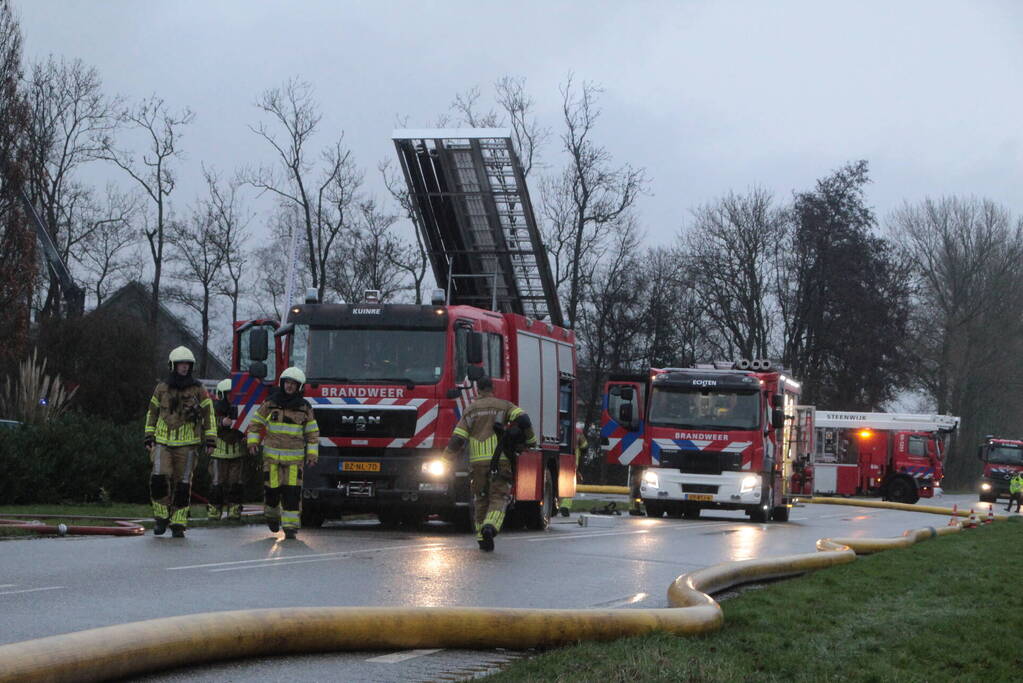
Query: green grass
143,512
945,609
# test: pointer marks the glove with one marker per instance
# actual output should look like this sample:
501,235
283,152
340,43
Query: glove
311,461
149,442
210,445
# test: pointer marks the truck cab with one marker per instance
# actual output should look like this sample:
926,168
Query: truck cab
1003,459
720,435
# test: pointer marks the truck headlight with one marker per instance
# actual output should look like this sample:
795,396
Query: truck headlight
437,467
985,486
749,483
650,478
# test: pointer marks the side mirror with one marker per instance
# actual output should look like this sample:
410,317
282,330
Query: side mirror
627,393
475,373
259,344
258,370
474,350
625,414
777,418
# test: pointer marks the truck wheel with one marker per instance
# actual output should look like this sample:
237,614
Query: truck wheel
538,515
313,518
691,512
780,513
760,513
389,517
988,499
902,490
654,509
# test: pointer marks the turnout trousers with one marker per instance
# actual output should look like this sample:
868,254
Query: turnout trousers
489,502
170,485
225,487
282,492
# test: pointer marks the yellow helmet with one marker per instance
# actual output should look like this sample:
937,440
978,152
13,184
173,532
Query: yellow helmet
295,375
223,388
180,355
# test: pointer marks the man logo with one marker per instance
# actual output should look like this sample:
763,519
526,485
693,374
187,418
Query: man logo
704,383
361,422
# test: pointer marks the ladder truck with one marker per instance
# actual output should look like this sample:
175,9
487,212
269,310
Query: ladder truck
388,382
898,456
721,435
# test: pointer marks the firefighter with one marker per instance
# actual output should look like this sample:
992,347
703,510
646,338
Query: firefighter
287,429
581,444
179,422
493,428
226,462
1015,491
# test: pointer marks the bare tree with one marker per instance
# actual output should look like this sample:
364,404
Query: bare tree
729,255
371,262
70,117
271,261
200,260
466,106
584,201
108,251
412,258
152,170
325,192
519,107
230,233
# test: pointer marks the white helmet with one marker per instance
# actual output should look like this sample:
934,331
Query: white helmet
180,355
294,374
223,388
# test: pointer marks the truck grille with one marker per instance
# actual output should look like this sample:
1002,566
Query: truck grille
366,423
699,488
701,462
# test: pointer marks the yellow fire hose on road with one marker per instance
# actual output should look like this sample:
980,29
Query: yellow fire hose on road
593,488
132,649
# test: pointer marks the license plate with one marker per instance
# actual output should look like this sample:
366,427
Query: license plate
360,467
699,496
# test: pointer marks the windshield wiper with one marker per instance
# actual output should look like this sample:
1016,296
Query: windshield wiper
330,379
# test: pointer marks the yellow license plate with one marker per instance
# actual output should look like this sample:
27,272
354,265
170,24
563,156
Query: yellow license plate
360,467
699,496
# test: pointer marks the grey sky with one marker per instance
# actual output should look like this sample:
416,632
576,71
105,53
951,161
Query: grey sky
708,96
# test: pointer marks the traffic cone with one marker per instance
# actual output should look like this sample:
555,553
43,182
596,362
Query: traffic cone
954,519
971,523
990,517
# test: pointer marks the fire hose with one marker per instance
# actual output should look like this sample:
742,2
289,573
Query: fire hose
131,649
31,523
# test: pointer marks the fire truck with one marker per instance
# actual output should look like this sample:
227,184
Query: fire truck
720,435
1003,459
894,455
389,381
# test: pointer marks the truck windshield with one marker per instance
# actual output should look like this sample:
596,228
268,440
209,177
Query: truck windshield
1005,455
369,355
704,409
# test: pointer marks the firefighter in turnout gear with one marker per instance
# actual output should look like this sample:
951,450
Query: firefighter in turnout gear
581,445
226,461
492,428
179,423
287,429
1015,491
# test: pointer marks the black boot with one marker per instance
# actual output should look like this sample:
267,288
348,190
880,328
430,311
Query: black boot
177,531
160,527
274,524
291,533
488,532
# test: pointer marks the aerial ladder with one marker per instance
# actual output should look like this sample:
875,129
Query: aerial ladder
472,208
74,296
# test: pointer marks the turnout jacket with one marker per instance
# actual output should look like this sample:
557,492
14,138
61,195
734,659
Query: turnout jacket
477,427
289,435
229,440
180,416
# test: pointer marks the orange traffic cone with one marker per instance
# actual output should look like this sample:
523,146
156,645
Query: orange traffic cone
971,523
990,517
954,519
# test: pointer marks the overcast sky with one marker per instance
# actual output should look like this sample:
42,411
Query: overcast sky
708,96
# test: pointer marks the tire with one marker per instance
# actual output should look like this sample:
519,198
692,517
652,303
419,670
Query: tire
690,512
389,517
989,499
312,518
757,513
655,510
537,516
780,513
902,490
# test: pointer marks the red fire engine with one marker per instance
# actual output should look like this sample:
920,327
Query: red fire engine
720,435
1003,459
388,382
895,455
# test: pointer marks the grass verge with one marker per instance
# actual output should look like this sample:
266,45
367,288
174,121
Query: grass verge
945,609
143,512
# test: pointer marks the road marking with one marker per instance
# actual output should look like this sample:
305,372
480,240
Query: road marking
307,556
572,537
32,590
8,585
396,657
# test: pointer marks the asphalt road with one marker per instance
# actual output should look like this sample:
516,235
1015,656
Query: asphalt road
51,586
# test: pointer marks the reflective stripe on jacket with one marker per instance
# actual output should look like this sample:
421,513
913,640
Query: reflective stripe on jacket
477,425
1016,484
287,434
180,417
